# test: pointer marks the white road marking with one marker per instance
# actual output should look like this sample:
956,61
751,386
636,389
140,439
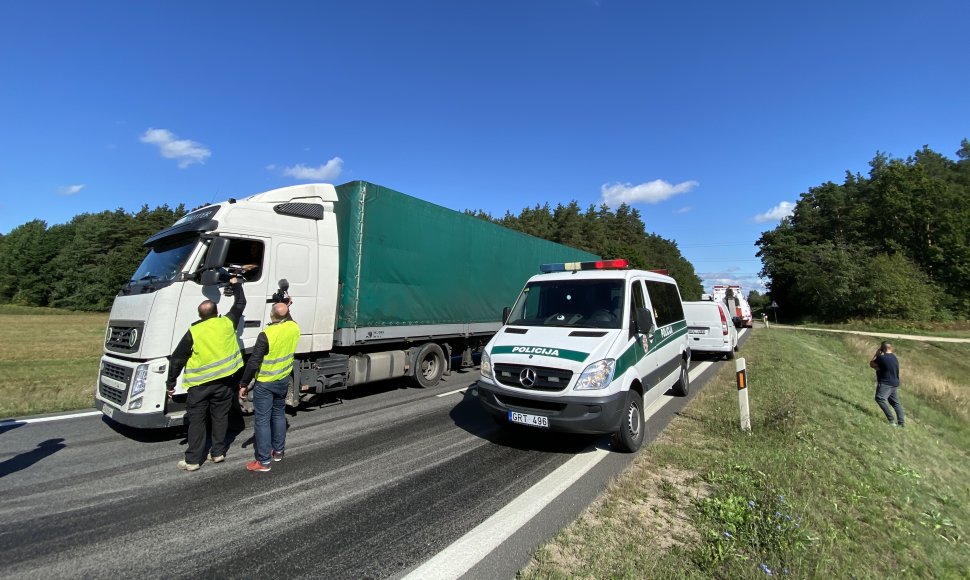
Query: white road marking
470,549
46,419
451,393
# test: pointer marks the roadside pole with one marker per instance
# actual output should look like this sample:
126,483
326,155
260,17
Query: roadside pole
742,375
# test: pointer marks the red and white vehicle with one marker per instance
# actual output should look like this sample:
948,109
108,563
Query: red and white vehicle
741,309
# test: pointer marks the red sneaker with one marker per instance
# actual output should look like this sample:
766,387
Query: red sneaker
257,466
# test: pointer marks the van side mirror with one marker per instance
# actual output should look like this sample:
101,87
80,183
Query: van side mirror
216,256
644,322
506,312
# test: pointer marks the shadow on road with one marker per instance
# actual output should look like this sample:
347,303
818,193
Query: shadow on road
10,426
25,460
469,415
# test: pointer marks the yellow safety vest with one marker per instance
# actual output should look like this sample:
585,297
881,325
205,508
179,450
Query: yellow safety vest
215,352
278,362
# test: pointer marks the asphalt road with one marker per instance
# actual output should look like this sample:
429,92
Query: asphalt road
372,486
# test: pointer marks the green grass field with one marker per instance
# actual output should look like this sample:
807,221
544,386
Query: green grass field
821,488
48,359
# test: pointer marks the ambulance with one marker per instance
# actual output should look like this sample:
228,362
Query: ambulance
586,348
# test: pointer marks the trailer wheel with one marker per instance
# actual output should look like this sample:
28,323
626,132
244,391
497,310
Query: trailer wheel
429,365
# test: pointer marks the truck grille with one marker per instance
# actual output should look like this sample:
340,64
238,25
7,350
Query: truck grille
117,373
546,379
123,337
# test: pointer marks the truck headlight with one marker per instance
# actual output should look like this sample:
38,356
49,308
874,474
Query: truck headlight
141,378
486,366
596,376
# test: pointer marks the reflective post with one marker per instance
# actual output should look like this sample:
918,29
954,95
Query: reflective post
742,376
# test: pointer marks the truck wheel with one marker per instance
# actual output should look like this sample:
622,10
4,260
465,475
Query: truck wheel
682,387
630,436
429,365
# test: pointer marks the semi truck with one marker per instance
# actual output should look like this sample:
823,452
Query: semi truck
383,285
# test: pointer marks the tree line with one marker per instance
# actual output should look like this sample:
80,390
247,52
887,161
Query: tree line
893,244
607,233
79,265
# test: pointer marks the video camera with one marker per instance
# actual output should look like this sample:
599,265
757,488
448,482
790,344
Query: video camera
227,273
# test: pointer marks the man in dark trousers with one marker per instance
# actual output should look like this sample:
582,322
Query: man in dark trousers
887,383
209,353
273,359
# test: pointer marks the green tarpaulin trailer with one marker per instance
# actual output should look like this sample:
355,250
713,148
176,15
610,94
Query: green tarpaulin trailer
408,262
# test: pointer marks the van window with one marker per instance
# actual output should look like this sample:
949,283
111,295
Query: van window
666,302
636,301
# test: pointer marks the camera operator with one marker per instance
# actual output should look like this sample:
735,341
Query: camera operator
887,383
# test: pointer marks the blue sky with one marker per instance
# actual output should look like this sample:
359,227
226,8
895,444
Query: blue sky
706,116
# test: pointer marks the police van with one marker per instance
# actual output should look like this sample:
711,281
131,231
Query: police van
585,349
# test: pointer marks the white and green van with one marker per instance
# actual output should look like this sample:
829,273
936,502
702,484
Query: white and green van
585,349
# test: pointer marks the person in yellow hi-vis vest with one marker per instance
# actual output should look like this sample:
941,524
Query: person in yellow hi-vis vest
272,365
209,353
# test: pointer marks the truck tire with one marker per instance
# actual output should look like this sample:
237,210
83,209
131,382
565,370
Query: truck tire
682,386
629,438
429,365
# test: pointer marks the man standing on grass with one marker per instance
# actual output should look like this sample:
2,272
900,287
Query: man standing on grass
887,383
273,357
209,353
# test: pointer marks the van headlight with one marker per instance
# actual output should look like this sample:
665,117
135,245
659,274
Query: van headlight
486,366
141,378
596,376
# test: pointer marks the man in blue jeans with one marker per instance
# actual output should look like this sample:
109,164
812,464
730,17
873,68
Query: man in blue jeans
272,365
887,383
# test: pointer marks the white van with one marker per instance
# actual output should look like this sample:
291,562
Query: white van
586,348
710,329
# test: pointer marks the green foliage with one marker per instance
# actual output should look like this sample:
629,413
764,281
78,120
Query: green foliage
893,244
79,265
608,233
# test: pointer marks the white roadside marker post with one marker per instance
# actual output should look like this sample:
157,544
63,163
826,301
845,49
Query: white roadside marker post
742,375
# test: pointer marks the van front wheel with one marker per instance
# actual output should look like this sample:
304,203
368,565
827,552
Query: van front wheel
630,436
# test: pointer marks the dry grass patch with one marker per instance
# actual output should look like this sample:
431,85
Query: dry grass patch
49,363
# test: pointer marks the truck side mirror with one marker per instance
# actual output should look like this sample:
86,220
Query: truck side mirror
216,256
209,277
505,314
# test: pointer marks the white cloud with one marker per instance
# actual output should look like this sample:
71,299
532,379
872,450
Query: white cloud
684,209
327,172
650,192
186,152
70,189
777,213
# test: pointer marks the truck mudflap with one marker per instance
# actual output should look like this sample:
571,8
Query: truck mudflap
157,420
589,415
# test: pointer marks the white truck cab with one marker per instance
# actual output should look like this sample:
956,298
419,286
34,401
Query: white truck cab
585,349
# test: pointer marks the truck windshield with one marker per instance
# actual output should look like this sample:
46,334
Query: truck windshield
164,261
582,303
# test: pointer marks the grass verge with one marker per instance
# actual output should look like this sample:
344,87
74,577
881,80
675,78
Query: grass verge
48,359
957,329
821,488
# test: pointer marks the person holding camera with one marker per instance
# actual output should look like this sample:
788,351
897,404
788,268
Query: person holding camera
887,383
209,353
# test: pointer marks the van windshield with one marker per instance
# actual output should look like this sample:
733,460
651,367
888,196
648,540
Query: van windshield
580,303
